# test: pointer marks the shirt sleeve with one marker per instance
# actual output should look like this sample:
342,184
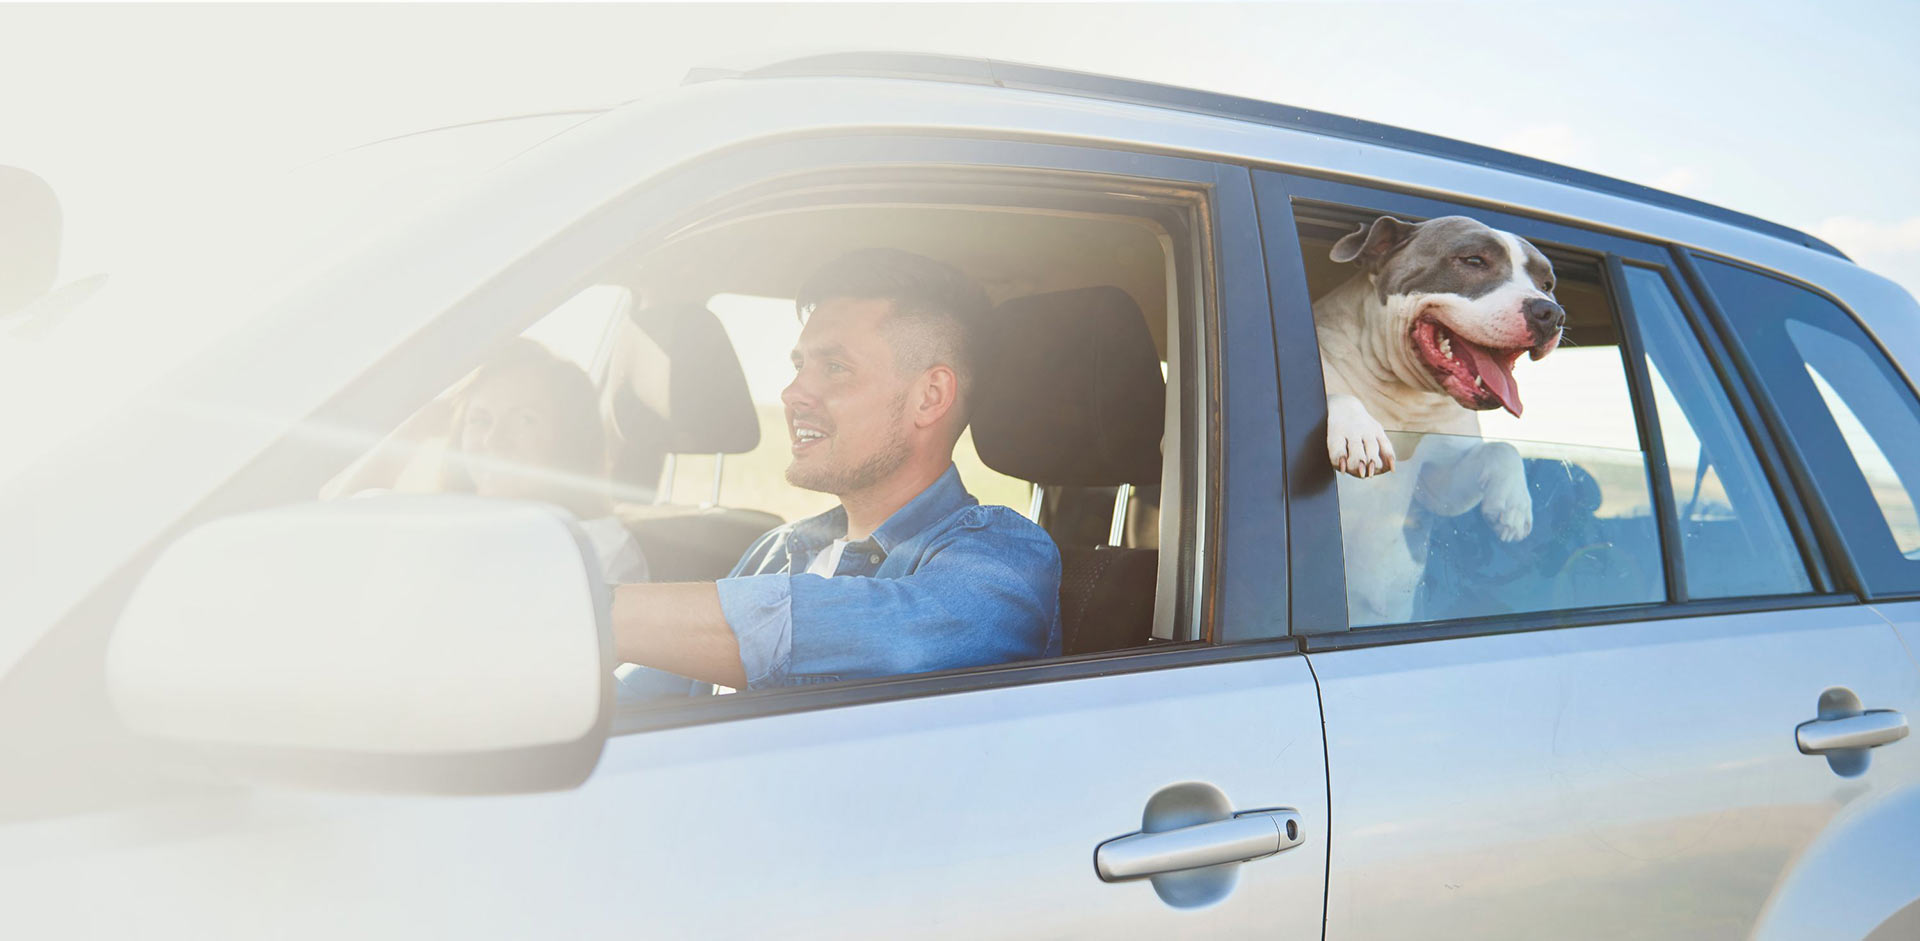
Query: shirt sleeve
759,610
985,592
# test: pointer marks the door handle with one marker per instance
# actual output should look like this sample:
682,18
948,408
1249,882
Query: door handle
1239,838
1866,730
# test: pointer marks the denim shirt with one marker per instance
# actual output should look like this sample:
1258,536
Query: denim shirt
943,583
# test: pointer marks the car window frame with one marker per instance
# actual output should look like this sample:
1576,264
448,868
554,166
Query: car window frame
1832,479
1232,393
1237,393
1316,555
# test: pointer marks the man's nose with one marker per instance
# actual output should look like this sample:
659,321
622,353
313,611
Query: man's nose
1544,318
796,394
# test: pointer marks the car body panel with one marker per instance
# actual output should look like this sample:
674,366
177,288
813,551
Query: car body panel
953,816
1636,779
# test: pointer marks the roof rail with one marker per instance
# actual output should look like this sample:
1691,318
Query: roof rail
958,69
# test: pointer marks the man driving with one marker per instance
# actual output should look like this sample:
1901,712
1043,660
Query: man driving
909,573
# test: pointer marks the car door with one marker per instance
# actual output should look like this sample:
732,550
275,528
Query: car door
970,803
1601,730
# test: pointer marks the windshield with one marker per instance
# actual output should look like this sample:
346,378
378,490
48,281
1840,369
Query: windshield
93,341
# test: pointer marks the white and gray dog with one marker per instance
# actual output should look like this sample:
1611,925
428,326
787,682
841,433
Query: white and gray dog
1422,338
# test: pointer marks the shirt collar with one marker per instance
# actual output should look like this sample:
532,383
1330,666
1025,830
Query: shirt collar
941,499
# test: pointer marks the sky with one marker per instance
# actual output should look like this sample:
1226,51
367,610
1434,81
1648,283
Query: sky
1802,114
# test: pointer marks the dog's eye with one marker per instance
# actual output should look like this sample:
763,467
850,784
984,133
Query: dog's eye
1474,261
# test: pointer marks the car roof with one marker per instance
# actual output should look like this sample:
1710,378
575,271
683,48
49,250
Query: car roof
963,70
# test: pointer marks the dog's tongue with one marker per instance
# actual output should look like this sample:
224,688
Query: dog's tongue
1497,375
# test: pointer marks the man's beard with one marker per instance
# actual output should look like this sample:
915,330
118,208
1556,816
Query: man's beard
887,458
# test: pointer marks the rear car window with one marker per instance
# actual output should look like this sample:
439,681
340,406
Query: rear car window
1587,533
1851,415
1733,539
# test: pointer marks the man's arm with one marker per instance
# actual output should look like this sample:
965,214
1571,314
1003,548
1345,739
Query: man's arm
986,593
678,628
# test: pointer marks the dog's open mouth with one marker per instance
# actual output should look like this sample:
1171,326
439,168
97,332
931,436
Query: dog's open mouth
1477,377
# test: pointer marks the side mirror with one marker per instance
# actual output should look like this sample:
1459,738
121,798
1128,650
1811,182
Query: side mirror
441,644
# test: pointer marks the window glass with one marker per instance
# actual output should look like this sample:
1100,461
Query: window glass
1733,539
577,329
205,270
1542,502
1856,371
524,424
1842,401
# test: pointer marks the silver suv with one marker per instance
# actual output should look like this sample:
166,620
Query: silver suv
231,708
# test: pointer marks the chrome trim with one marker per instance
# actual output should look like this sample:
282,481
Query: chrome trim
665,493
1117,530
1237,839
1867,730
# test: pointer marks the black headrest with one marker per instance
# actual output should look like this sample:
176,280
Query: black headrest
1070,391
675,385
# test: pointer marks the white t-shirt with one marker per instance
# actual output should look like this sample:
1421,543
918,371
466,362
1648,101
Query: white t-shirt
827,561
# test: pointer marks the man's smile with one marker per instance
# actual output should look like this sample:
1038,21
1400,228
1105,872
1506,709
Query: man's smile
805,435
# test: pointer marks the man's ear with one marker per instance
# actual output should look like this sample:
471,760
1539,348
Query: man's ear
1372,243
936,396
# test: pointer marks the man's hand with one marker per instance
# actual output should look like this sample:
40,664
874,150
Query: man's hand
677,627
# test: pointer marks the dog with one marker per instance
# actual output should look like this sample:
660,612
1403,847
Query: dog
1420,340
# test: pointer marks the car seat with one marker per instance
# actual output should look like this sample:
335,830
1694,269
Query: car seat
1571,559
675,386
1071,395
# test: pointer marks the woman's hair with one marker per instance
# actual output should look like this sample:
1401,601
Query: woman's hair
577,471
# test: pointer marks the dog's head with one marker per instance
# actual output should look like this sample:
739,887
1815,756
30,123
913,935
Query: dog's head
1464,299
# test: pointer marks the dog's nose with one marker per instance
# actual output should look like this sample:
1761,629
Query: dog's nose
1544,317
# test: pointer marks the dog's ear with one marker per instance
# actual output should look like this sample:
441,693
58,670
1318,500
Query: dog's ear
1373,242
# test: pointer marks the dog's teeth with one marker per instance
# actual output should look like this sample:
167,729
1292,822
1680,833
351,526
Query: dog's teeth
1446,346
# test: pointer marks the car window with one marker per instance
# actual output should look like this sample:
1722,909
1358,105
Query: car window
1549,507
676,456
1733,539
524,424
1850,414
1855,370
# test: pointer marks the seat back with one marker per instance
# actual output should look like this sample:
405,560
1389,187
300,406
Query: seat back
675,386
1072,396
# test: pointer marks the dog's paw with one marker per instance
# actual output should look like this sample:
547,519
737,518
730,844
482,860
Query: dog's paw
1508,507
1356,444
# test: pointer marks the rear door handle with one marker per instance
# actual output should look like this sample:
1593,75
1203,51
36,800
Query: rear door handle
1244,836
1866,730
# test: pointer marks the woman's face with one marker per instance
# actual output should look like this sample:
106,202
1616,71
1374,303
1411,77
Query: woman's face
510,435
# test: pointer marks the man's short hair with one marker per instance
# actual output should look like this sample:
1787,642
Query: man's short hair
937,309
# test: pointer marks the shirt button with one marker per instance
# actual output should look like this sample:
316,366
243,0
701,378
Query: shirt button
875,558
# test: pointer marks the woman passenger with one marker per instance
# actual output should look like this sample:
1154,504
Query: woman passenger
525,425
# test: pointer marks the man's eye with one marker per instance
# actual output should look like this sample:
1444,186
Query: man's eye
833,367
1474,261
